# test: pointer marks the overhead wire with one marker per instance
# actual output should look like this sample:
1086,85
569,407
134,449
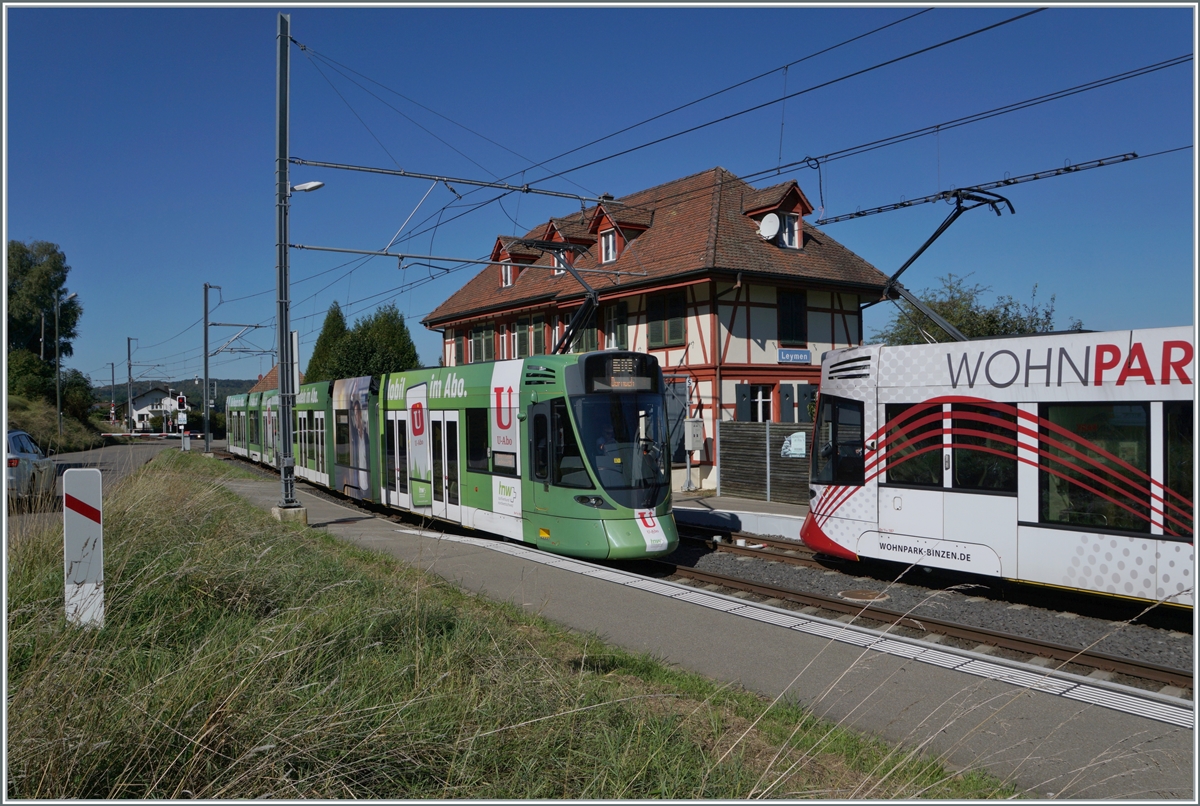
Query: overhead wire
862,148
662,114
796,94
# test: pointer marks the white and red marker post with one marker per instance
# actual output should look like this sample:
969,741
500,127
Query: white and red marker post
83,547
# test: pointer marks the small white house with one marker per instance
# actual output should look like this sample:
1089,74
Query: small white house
157,401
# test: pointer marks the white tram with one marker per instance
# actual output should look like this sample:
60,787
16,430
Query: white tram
1061,459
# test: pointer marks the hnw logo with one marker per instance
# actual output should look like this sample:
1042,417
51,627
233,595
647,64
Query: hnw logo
417,415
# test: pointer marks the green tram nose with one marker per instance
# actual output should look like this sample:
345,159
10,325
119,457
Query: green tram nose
648,533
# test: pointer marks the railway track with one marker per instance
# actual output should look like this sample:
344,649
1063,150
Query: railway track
865,610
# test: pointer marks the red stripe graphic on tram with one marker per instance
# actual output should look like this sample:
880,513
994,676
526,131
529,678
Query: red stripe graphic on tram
1087,466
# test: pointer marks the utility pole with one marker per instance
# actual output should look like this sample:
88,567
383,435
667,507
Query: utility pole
129,382
112,387
207,439
289,508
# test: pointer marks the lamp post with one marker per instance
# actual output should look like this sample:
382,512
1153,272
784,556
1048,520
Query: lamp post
57,361
289,508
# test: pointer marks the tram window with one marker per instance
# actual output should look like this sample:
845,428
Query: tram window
839,430
985,448
341,437
311,435
402,458
477,440
1178,446
439,467
914,445
452,463
569,470
541,448
1095,465
389,449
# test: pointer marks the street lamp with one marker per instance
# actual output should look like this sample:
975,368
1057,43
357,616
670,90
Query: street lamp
57,363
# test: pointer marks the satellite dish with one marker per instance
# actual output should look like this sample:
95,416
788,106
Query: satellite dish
768,228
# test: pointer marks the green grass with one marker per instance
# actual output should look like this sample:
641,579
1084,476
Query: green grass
244,658
40,420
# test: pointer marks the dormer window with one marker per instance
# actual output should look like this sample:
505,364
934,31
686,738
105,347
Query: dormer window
608,246
789,231
560,263
507,274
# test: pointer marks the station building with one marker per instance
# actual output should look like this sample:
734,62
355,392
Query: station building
726,284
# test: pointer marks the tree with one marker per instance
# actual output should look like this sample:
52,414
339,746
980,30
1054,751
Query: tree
961,305
378,344
29,376
332,332
37,274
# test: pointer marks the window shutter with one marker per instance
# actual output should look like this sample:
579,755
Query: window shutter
654,316
742,395
786,403
677,305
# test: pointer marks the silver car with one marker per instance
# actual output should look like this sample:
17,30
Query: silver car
30,472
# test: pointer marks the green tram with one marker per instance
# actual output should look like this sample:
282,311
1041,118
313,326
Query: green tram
565,452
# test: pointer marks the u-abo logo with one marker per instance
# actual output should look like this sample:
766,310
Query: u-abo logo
417,415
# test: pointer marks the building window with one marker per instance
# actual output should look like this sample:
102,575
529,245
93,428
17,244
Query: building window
789,231
665,313
616,331
459,358
560,263
585,339
482,344
793,318
506,275
521,348
760,403
503,342
608,246
539,335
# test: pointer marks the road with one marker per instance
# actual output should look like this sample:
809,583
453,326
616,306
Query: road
115,463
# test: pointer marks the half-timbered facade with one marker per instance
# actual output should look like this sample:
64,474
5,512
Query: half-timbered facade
734,292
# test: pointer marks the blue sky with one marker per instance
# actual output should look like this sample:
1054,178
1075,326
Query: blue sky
141,140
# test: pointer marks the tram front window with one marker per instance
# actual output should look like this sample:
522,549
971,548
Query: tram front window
624,438
838,458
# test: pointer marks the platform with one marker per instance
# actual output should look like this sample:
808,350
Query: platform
766,518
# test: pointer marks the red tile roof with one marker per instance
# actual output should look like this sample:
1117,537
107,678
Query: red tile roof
270,381
696,227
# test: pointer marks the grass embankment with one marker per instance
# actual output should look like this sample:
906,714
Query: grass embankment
243,657
40,420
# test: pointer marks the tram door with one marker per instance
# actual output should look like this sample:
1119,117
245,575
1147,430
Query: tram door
396,459
268,445
444,437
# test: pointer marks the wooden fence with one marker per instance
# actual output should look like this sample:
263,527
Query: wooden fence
753,465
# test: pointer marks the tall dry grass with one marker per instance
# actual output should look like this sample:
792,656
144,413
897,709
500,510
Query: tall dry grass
246,658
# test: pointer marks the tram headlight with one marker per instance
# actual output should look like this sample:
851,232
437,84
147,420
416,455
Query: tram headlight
593,501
